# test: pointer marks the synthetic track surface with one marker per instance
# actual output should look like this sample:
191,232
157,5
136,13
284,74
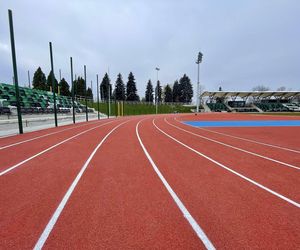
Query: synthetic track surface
122,200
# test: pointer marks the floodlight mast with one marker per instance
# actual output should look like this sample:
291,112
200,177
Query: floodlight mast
199,60
156,95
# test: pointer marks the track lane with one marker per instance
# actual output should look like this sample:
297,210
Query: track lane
286,158
29,196
11,157
237,214
277,177
120,203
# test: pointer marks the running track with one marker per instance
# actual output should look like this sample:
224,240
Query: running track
151,182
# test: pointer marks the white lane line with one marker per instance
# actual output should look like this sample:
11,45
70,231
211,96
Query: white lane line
229,169
233,147
41,136
48,149
44,236
245,139
197,229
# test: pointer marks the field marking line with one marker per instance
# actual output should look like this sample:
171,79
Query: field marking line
233,147
45,234
197,229
48,149
45,135
245,139
229,169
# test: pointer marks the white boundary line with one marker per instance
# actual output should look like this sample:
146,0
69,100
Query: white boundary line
229,169
197,229
41,136
245,139
48,149
44,236
233,147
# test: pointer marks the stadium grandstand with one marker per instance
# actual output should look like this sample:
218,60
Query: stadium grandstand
34,101
251,101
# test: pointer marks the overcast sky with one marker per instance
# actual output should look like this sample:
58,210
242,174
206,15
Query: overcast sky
244,42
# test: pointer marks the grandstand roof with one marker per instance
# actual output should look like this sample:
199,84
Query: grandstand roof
258,94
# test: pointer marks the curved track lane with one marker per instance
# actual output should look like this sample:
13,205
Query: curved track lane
30,195
120,203
22,152
282,137
275,176
233,212
100,189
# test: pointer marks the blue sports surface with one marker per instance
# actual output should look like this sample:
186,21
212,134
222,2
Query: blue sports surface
257,123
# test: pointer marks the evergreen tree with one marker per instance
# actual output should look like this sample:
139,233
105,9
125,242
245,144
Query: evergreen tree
39,80
176,91
119,92
49,82
168,95
131,90
186,89
64,88
104,87
89,93
79,87
149,92
158,92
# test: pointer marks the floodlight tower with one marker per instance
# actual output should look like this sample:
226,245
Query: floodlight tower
156,95
199,60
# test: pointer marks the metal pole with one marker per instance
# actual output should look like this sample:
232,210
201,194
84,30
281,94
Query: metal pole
28,74
92,92
108,96
75,86
86,108
14,61
115,99
72,80
53,84
156,99
98,104
199,60
109,108
198,87
60,75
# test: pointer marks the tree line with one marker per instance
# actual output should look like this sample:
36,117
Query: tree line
40,81
180,91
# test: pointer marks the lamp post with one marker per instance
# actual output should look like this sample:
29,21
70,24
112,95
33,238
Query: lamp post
199,60
156,95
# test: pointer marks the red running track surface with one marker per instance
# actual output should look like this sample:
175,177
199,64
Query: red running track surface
120,202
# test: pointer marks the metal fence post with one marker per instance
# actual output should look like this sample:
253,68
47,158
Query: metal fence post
85,87
72,80
53,84
14,61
